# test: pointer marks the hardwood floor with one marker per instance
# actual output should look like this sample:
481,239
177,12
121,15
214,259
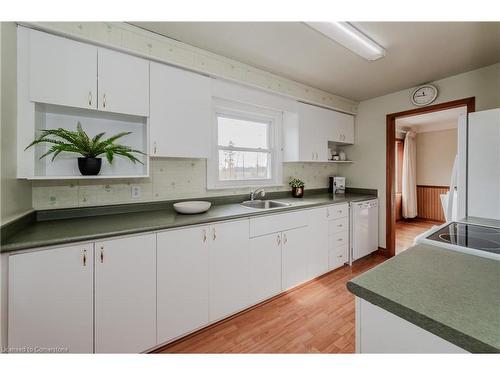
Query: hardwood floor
317,317
407,230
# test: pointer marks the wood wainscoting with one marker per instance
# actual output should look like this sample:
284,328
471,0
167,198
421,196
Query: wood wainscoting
429,202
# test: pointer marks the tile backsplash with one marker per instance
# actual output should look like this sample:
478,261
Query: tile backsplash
169,179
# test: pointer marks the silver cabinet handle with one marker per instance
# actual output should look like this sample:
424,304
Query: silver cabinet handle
327,212
339,239
285,239
84,258
214,235
104,101
278,239
102,254
90,98
339,225
204,235
316,156
154,147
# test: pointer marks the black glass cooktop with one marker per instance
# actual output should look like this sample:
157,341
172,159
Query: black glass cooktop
468,235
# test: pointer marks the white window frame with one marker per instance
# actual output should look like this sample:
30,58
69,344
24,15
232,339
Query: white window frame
222,107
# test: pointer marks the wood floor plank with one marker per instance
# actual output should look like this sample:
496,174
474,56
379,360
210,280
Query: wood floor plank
407,230
317,317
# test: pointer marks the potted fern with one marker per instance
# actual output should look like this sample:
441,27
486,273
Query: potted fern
297,186
79,142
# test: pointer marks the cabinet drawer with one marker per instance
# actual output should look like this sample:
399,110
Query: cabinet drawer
338,225
338,211
277,223
338,256
338,239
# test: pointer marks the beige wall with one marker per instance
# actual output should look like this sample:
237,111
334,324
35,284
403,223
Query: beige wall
368,153
435,156
15,194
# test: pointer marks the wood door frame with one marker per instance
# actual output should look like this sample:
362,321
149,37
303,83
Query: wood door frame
390,218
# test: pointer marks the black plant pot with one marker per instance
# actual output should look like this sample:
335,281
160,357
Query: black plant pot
89,166
297,192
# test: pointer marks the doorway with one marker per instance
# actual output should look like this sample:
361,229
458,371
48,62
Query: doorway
394,186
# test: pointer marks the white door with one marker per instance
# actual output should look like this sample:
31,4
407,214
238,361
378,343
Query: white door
125,294
180,113
228,268
182,281
318,241
295,257
61,71
123,83
264,260
51,299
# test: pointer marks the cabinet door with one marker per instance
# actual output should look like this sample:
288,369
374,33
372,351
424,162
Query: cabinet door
62,71
180,113
318,242
50,299
313,143
123,83
295,257
228,268
182,282
344,125
264,259
125,294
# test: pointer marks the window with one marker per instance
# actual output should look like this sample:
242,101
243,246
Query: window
246,151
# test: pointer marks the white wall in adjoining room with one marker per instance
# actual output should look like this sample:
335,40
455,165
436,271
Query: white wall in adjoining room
368,153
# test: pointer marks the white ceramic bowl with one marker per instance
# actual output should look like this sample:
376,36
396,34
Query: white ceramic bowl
192,207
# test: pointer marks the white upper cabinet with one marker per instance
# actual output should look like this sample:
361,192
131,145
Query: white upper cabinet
343,128
180,113
51,299
307,133
61,71
123,83
125,294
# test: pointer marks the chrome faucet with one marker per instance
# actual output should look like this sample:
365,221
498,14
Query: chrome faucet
256,191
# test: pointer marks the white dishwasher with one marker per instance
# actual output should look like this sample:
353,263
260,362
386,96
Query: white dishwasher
364,228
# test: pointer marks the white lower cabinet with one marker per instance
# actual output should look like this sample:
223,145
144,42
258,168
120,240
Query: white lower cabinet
51,299
182,281
228,268
133,293
318,242
295,257
264,262
125,294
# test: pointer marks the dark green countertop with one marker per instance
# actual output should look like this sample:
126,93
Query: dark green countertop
453,295
54,232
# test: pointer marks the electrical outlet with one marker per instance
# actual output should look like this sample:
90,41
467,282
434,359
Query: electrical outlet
135,191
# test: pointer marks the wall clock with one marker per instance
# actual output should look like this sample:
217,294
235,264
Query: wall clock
424,95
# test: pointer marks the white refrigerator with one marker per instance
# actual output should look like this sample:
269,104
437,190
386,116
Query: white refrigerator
478,166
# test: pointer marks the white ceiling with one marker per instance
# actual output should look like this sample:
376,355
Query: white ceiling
433,121
417,52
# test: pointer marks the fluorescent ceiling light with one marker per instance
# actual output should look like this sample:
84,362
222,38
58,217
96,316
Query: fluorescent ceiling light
351,38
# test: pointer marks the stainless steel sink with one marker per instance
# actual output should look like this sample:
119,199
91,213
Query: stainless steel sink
264,204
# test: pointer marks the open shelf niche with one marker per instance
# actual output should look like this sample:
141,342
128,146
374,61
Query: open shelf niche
65,165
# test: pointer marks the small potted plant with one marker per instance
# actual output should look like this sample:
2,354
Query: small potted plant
90,148
297,187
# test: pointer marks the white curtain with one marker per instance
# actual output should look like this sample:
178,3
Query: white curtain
409,193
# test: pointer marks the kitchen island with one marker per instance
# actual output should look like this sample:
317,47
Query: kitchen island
429,299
